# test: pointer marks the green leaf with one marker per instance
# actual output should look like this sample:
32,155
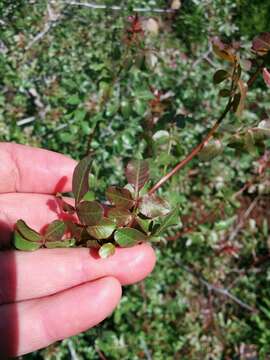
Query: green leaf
120,197
224,224
168,220
27,232
55,230
153,206
137,173
103,230
89,196
161,136
90,212
220,76
106,250
73,100
121,217
60,244
128,237
80,178
210,150
144,223
21,243
140,107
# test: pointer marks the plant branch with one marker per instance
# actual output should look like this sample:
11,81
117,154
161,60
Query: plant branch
212,288
195,151
117,8
243,219
53,18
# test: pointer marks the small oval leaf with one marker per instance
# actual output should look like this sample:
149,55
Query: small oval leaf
120,197
90,212
128,237
121,217
27,232
144,223
210,150
153,206
137,173
80,178
21,243
103,230
220,76
168,220
55,230
106,250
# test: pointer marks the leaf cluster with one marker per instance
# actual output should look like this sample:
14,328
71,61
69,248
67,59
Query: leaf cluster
129,217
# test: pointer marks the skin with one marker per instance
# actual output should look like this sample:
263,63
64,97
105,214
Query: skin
51,294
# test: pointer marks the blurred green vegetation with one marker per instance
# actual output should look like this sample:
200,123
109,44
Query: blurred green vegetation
72,84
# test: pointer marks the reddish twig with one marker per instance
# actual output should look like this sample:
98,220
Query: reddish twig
199,147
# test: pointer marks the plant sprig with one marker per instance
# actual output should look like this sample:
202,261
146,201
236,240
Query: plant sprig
128,219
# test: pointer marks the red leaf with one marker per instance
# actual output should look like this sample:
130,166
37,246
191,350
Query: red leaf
261,44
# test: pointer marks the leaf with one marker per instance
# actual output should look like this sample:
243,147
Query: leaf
73,100
262,130
168,220
161,136
106,250
144,223
236,102
243,92
60,244
55,230
103,230
128,237
121,217
27,232
80,178
137,174
266,76
220,76
67,207
21,243
74,229
223,54
120,197
261,44
210,150
225,93
89,196
153,206
90,212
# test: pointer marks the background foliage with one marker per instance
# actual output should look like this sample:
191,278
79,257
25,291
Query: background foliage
72,84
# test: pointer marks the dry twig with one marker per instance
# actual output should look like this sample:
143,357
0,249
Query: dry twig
212,288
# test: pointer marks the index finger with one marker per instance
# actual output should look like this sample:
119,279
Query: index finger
27,169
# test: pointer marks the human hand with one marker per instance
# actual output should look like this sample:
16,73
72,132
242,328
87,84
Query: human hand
51,294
